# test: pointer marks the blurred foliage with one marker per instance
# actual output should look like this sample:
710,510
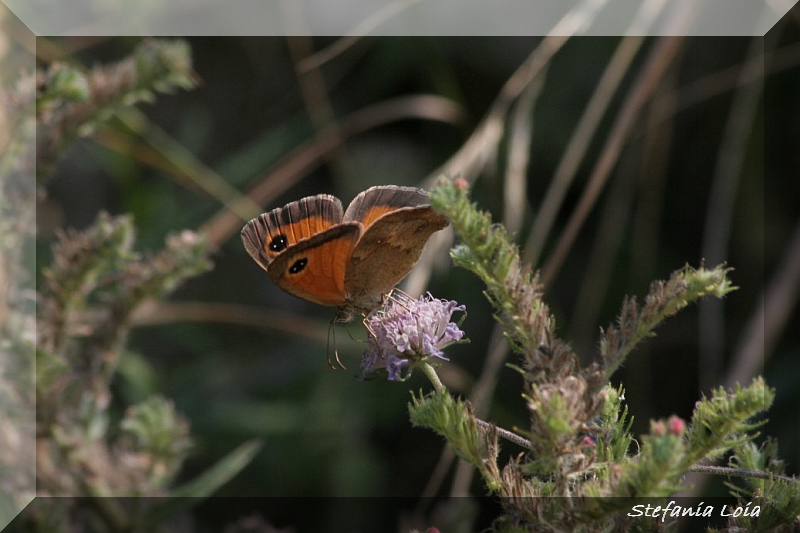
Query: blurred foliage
239,359
84,306
17,319
70,102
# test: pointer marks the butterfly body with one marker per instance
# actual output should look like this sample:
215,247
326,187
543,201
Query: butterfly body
351,259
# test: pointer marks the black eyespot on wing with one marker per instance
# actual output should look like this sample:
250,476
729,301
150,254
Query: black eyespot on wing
298,266
278,243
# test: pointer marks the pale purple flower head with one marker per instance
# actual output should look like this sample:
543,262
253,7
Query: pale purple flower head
407,330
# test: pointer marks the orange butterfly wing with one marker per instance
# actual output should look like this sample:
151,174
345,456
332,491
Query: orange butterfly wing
314,269
304,247
268,235
398,221
313,250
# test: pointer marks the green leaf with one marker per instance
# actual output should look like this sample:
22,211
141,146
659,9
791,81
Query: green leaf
203,486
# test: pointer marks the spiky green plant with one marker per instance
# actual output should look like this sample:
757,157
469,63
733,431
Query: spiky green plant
579,472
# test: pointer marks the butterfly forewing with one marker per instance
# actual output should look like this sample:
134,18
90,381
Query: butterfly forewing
268,235
314,269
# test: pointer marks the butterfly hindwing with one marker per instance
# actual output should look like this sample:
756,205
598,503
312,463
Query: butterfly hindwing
314,269
377,201
387,251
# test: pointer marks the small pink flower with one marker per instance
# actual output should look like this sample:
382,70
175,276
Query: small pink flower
658,428
676,425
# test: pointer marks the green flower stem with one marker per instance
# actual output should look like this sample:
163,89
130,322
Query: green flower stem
432,376
430,372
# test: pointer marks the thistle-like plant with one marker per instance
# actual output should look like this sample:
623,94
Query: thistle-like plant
95,283
71,102
84,307
578,471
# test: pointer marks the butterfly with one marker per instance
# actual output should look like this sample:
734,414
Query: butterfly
350,259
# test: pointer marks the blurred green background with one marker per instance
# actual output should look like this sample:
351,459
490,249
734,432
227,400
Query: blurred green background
242,359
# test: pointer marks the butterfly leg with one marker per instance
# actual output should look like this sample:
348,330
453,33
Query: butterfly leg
338,362
399,297
332,332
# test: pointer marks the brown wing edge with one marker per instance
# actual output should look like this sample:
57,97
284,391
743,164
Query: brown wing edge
389,197
256,233
328,208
